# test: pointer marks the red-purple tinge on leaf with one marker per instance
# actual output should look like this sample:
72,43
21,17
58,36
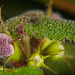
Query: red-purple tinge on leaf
6,49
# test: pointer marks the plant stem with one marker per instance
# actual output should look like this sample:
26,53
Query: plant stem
5,63
69,65
3,27
50,69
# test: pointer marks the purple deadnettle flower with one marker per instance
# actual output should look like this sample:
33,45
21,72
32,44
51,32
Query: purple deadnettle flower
6,48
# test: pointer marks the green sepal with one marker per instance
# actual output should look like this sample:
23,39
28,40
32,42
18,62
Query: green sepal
45,43
25,46
18,55
54,48
36,60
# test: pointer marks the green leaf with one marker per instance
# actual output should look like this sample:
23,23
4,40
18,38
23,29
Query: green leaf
24,71
52,28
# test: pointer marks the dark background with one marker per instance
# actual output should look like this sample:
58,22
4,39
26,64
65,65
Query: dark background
14,7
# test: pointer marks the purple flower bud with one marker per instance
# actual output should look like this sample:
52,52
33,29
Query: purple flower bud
5,38
6,49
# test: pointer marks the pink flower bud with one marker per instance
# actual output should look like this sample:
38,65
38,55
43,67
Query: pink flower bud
5,38
6,49
56,16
